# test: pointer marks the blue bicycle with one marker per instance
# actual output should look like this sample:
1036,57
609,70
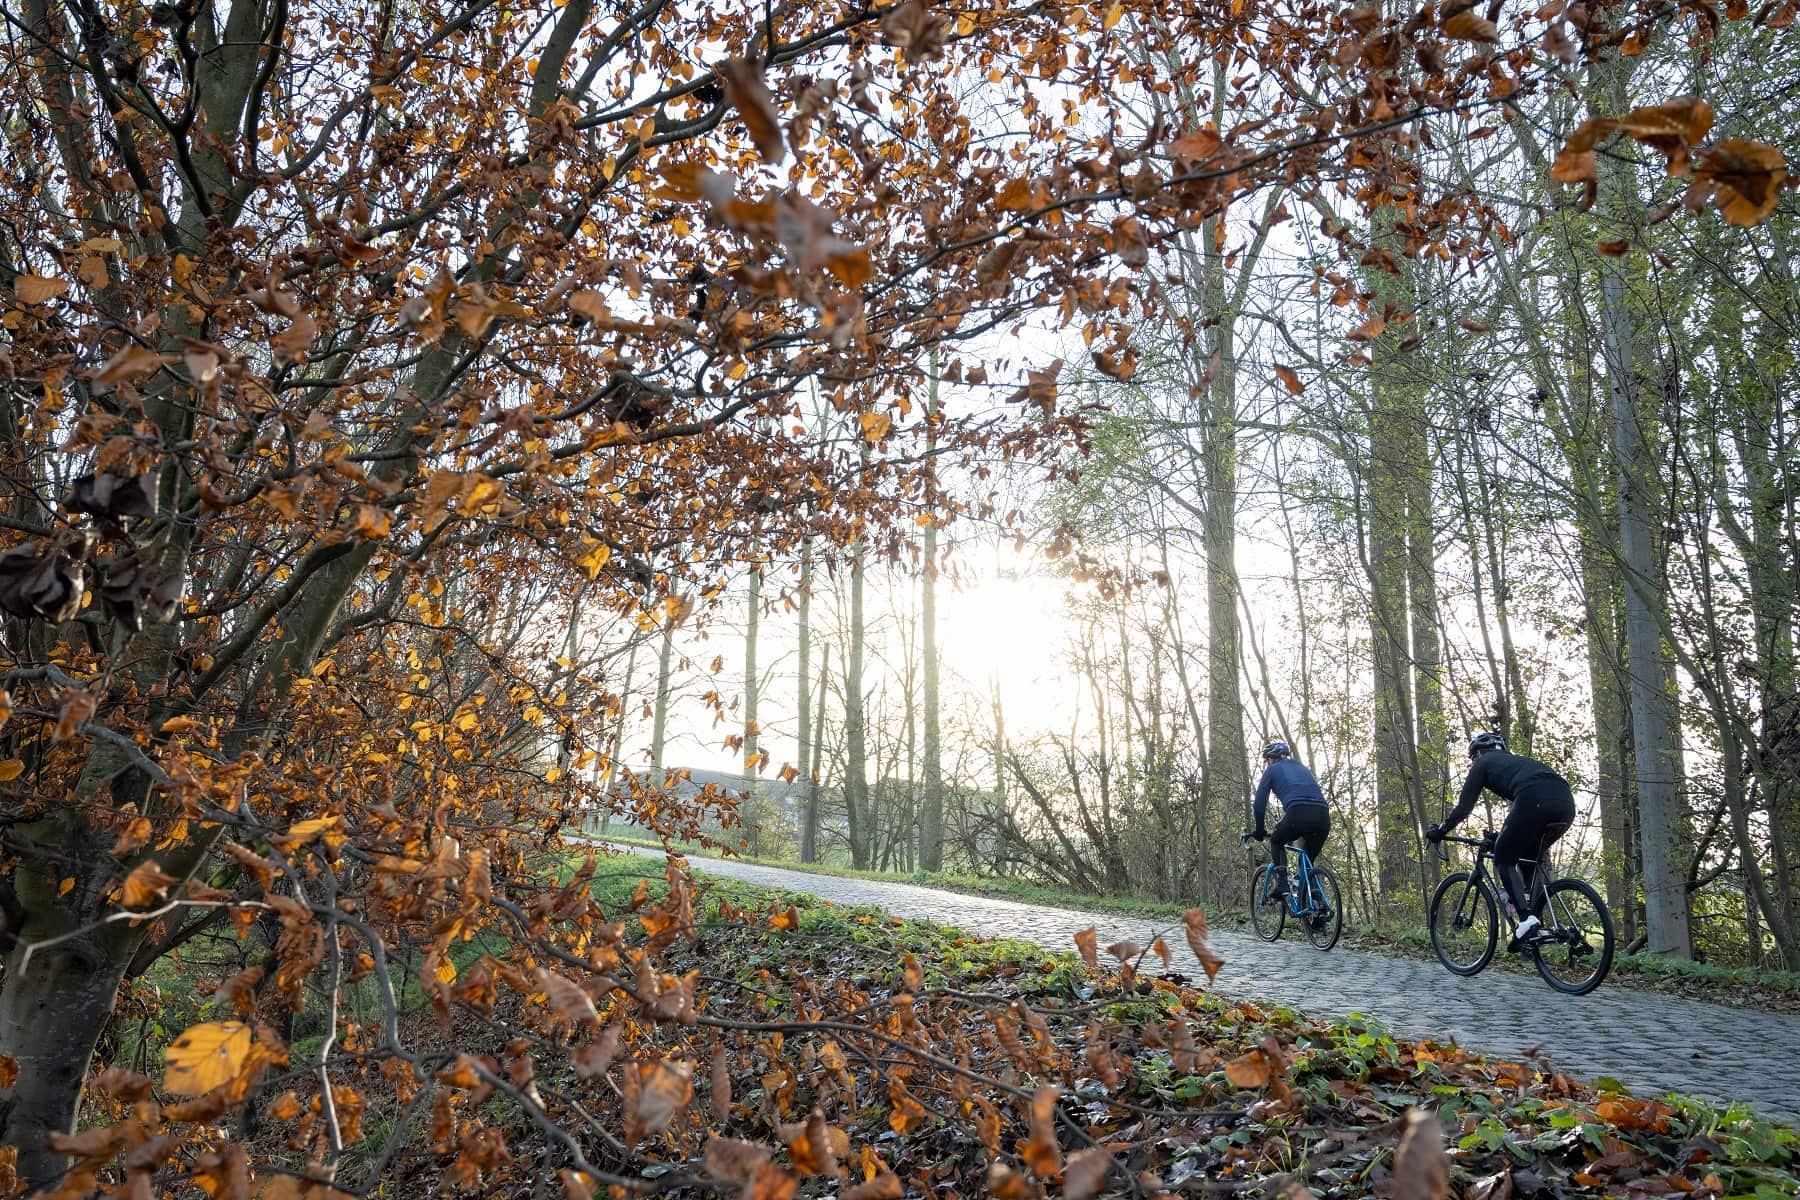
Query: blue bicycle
1311,898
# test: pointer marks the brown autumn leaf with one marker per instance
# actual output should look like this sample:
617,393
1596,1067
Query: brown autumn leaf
1612,249
1290,379
1369,330
146,885
9,1072
1421,1164
915,28
1086,1172
568,1003
734,1161
575,1185
884,1185
1467,26
654,1092
1671,128
1161,949
1249,1070
131,362
1194,923
290,345
1040,1151
1125,951
744,87
1085,941
1195,147
1744,178
35,289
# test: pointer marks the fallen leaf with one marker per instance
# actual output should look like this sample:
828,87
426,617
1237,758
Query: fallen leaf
1421,1165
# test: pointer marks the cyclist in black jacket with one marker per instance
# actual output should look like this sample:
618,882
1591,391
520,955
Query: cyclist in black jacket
1543,808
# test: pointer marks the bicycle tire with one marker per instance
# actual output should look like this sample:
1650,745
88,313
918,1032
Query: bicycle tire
1468,904
1570,945
1266,919
1324,929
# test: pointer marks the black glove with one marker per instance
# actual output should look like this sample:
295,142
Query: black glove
1435,833
1261,835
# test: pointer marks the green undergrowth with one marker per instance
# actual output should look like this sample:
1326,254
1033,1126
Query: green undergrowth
1742,987
1325,1113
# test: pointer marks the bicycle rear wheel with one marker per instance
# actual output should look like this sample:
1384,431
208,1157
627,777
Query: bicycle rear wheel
1465,923
1325,921
1575,950
1268,906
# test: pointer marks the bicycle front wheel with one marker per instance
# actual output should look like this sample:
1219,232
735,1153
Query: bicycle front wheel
1325,923
1465,923
1268,905
1575,950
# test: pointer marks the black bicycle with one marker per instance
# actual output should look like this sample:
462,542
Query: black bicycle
1311,897
1573,948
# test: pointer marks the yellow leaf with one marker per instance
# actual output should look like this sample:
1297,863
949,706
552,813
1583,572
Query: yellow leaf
205,1056
11,769
305,831
1113,15
179,725
446,971
66,886
595,559
875,426
35,289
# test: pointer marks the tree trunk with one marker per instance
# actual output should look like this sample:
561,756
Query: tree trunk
931,814
1652,705
660,720
53,1009
856,781
809,822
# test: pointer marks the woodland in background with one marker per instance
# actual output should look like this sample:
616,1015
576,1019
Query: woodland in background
382,384
1542,457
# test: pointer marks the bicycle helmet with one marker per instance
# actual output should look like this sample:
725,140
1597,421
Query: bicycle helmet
1484,742
1276,749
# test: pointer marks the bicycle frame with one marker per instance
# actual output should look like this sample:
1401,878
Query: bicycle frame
1479,874
1304,873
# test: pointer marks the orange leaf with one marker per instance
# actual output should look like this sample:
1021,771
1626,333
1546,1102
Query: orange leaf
146,885
9,1072
1613,249
205,1057
11,769
1369,330
1249,1070
1289,378
1085,941
1194,921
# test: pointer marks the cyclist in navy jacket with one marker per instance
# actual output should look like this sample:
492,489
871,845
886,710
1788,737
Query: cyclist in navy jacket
1305,817
1542,810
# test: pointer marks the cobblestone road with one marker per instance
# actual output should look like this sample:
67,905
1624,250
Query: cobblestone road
1648,1041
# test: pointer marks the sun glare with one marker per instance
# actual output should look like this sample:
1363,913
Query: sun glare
1007,627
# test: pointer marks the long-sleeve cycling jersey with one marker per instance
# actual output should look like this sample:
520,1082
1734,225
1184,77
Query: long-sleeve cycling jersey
1292,784
1502,772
